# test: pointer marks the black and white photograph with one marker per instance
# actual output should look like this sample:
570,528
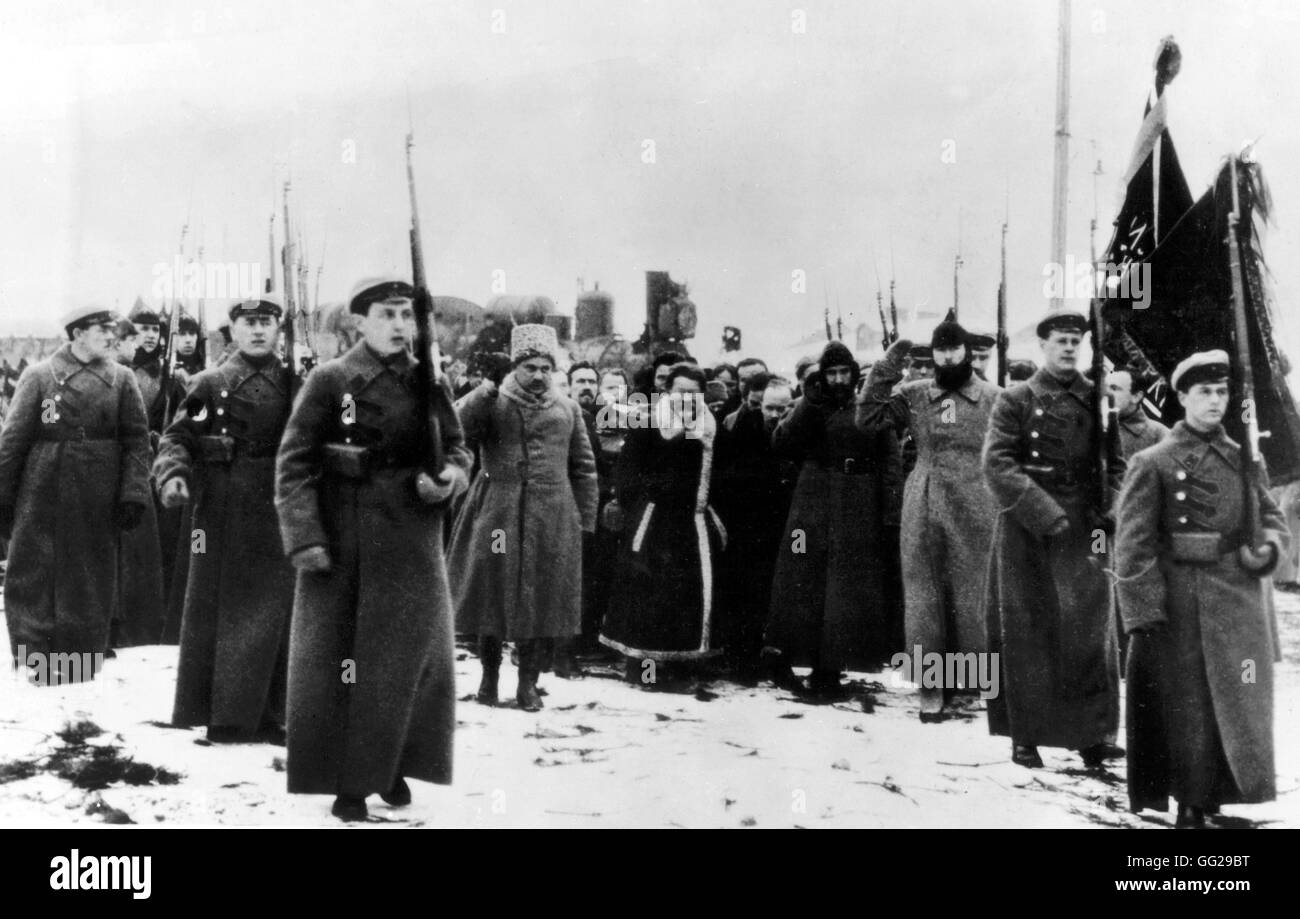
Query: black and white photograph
647,414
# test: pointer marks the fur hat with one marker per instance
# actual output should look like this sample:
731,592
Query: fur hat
949,334
533,340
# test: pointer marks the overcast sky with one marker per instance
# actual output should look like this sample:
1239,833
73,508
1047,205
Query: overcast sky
774,150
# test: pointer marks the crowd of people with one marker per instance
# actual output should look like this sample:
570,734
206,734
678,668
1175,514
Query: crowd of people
315,545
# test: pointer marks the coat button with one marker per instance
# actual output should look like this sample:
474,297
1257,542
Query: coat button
1038,411
1033,434
58,397
1182,519
225,394
1181,496
1180,475
1034,454
221,411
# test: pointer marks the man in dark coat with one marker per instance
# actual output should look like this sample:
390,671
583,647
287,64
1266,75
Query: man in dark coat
598,548
372,689
831,602
1200,668
516,549
754,492
74,473
1137,431
148,553
947,518
235,631
1049,601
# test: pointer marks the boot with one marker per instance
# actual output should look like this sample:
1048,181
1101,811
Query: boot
1026,755
489,655
1190,818
563,665
527,695
350,808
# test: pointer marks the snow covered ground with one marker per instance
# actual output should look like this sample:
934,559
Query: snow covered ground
602,753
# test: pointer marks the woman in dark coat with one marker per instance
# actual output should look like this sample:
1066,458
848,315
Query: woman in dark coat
663,604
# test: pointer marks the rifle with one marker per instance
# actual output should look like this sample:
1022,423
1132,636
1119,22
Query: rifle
169,355
893,307
427,389
1105,423
880,308
201,345
290,313
1251,467
1002,313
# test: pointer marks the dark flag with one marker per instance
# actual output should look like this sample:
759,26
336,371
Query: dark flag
1168,290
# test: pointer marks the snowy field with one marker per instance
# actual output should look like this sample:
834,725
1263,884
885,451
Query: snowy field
601,754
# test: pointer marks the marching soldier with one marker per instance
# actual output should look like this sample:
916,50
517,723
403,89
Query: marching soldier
981,353
74,472
516,550
1049,611
371,682
1200,668
947,513
221,449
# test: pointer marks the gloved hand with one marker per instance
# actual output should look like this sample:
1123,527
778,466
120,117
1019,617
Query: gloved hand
892,364
1259,562
450,483
1059,528
313,560
6,521
174,493
127,515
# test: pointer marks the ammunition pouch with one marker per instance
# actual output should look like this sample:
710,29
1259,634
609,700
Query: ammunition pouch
348,461
1200,548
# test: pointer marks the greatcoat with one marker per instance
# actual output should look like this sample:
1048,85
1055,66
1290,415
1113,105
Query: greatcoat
831,599
948,513
73,447
235,628
1050,617
1200,688
371,679
516,549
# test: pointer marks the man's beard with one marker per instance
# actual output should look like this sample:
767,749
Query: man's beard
953,376
840,393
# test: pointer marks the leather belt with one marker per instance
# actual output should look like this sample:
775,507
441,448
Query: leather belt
849,465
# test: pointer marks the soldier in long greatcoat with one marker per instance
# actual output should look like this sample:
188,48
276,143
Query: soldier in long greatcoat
1200,668
947,511
516,550
371,679
1049,603
830,599
221,449
74,473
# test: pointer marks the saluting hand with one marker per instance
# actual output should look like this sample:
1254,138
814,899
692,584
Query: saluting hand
312,560
174,493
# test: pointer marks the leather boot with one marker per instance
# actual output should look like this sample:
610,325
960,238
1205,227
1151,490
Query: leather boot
1026,755
489,654
1190,818
526,695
